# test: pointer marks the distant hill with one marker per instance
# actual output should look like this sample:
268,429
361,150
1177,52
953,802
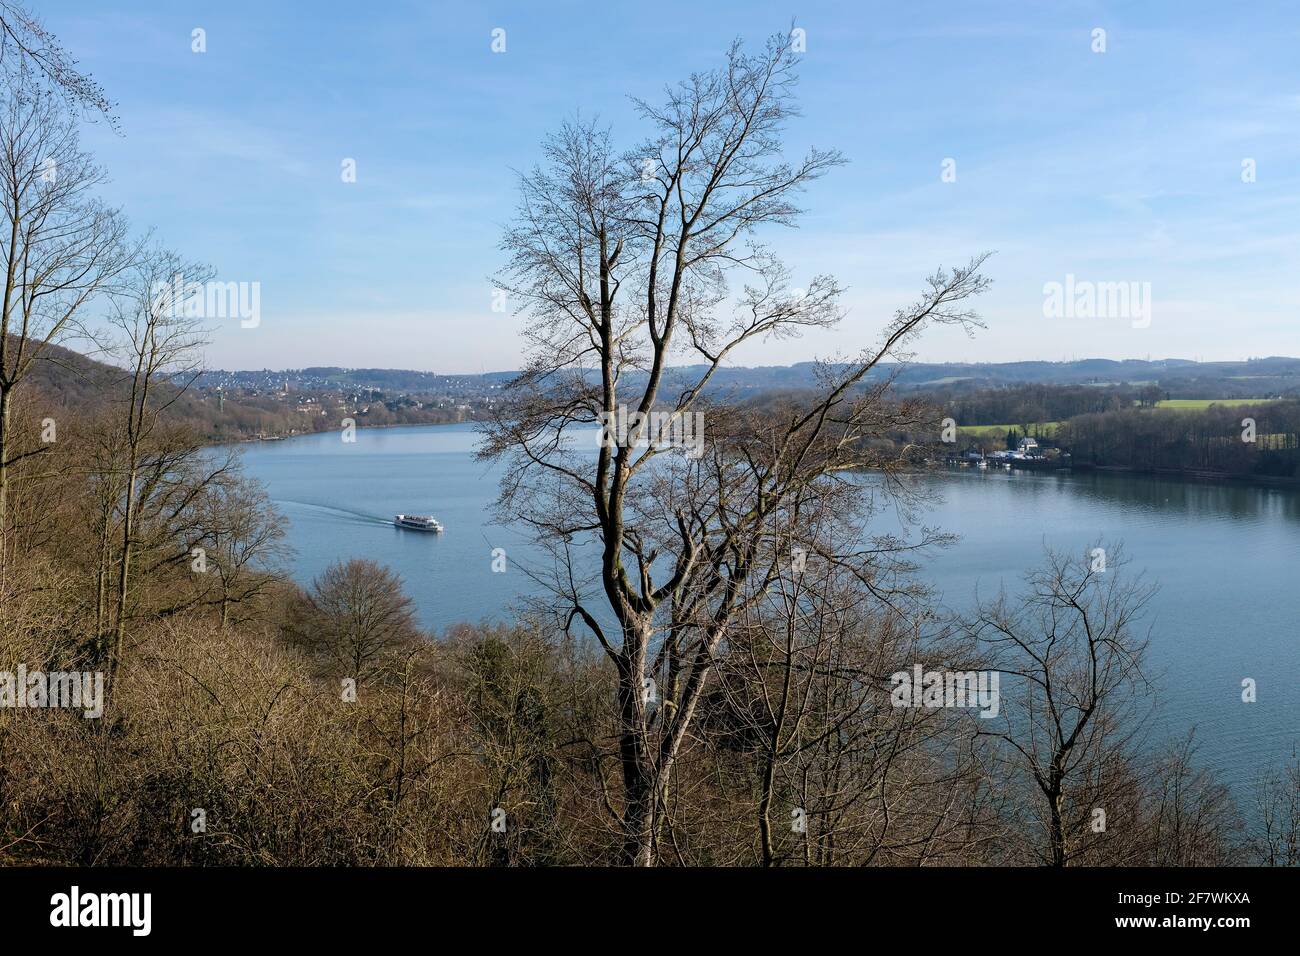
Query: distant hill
68,379
1181,378
229,405
64,379
222,412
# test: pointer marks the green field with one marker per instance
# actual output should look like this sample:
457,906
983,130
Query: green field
1046,429
1197,404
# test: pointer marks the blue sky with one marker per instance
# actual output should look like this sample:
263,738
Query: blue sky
1117,166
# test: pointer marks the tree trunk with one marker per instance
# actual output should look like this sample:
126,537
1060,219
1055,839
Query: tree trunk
5,395
1055,801
773,753
101,577
765,816
124,571
639,784
639,844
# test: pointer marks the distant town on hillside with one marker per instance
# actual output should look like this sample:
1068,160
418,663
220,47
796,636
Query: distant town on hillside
1274,376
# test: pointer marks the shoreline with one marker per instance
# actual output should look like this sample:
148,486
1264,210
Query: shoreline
1257,481
1265,481
1268,481
325,431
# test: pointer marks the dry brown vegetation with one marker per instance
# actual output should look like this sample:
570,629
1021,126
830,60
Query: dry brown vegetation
230,739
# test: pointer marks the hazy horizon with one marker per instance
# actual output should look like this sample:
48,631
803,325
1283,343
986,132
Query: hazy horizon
766,365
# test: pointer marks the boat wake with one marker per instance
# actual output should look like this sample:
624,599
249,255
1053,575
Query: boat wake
345,514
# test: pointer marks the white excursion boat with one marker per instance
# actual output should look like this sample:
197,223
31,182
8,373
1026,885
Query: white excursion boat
417,522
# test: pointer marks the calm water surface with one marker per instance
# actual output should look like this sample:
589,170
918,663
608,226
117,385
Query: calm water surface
1226,557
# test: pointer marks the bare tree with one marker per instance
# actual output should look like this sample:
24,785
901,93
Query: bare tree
1275,837
799,705
619,262
60,248
159,341
31,54
1070,645
239,539
1191,819
355,619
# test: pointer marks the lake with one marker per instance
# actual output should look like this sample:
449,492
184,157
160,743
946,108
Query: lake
1226,557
